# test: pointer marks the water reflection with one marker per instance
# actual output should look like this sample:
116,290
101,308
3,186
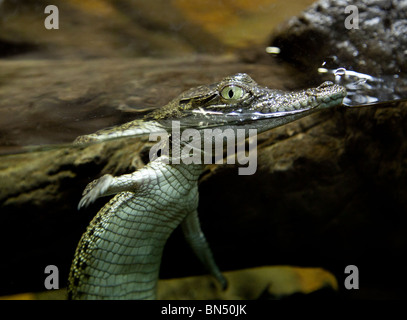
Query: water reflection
364,89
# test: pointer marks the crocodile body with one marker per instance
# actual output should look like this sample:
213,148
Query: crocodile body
119,255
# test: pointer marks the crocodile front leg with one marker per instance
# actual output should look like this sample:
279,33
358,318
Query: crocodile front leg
119,255
196,239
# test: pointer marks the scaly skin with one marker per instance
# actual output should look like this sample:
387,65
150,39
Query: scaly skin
119,255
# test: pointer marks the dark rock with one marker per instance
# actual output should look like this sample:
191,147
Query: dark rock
378,46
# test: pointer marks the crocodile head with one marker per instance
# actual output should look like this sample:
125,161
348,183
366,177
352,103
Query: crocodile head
239,101
235,102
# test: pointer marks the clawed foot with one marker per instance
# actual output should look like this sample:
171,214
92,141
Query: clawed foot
222,281
94,190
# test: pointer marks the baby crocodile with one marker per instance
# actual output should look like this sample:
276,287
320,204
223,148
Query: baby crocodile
119,255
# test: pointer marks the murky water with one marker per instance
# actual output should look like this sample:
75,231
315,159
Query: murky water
367,90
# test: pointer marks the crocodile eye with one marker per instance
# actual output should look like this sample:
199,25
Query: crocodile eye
232,92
